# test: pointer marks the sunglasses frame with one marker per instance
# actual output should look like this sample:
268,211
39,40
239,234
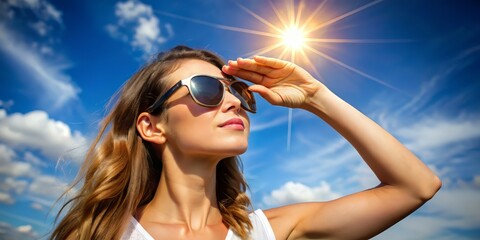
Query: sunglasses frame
226,82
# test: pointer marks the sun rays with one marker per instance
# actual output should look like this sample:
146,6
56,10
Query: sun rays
293,30
293,38
295,34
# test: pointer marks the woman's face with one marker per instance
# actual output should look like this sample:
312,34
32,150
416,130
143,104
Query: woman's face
198,131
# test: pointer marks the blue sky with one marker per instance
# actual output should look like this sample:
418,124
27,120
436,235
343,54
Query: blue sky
413,67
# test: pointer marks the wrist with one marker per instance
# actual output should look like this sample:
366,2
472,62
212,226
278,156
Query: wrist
320,101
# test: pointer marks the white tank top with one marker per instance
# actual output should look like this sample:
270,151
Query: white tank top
261,229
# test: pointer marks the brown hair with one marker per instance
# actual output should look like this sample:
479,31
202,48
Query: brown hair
121,172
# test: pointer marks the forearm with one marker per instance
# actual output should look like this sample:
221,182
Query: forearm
391,162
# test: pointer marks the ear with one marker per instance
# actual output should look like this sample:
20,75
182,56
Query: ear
150,128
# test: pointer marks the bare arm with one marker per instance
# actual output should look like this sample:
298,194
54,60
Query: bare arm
406,183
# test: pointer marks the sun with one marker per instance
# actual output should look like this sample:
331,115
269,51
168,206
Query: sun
293,38
295,31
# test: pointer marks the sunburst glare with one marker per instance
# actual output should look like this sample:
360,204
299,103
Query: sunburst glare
293,38
295,34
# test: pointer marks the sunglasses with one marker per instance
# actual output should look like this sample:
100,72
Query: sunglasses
209,91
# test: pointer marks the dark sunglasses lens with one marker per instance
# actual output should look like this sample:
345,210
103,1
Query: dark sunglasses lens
240,90
207,90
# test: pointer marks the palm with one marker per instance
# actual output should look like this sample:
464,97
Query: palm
279,82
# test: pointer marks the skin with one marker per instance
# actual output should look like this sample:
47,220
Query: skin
185,205
191,141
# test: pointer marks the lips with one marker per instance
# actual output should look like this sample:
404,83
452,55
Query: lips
234,123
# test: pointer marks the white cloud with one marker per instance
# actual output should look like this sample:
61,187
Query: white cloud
33,4
37,206
6,104
20,175
11,184
45,198
35,130
34,59
476,181
131,10
24,228
23,219
417,227
9,232
45,50
432,87
6,198
451,209
147,33
436,132
170,32
51,12
442,131
438,127
55,186
446,143
439,137
55,87
41,8
10,167
268,124
16,169
116,33
363,177
335,158
6,153
40,27
31,158
420,99
138,25
294,192
460,205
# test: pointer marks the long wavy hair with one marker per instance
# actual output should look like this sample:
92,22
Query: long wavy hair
121,172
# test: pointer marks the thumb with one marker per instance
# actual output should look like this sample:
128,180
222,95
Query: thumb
266,93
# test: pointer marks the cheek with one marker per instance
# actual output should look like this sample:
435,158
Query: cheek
187,126
196,132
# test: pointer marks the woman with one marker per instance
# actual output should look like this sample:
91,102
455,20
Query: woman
164,164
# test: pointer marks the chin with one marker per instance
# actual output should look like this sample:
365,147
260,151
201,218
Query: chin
235,150
240,151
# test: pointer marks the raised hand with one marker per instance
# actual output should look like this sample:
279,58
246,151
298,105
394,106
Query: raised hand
279,82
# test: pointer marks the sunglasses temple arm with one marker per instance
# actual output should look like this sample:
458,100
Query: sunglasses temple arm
155,107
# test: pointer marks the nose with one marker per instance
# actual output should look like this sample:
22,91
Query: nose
230,102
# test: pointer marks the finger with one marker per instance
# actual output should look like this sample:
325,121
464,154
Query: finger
270,62
251,65
267,94
229,70
250,76
232,63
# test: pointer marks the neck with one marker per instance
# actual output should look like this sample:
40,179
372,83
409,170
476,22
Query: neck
186,193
